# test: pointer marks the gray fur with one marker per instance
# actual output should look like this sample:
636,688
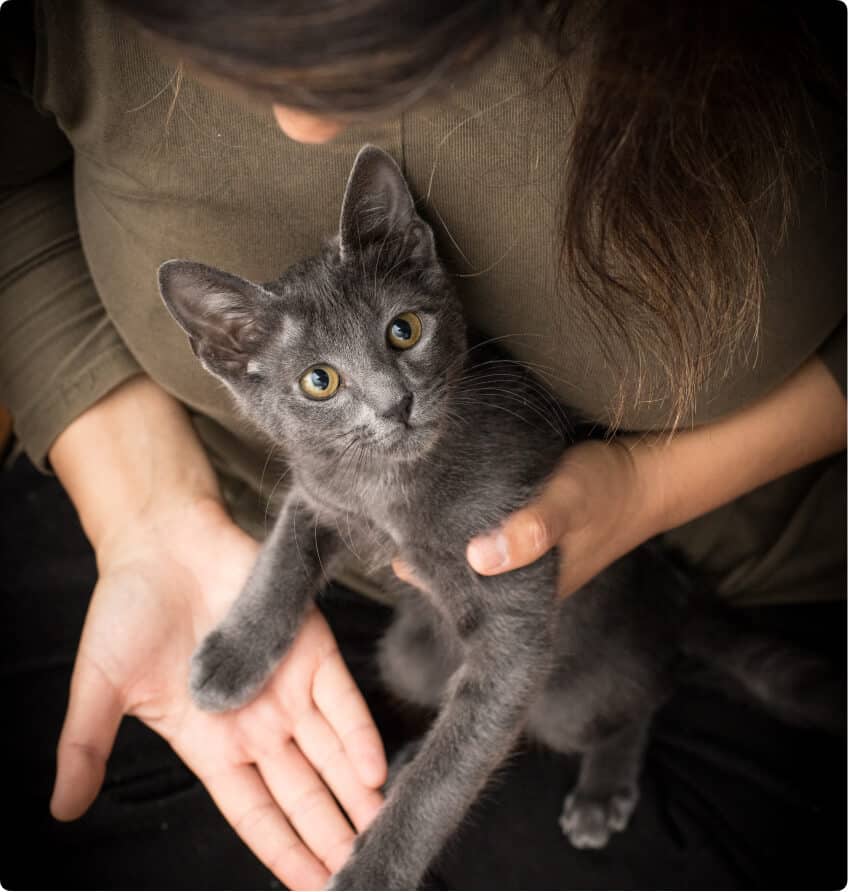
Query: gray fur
417,452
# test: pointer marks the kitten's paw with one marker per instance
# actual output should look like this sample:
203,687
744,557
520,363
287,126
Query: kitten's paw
224,673
589,821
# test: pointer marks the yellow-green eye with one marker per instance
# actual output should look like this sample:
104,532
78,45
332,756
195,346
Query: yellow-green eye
320,382
404,331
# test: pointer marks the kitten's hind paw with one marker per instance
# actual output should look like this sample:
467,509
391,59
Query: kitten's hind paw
224,673
589,821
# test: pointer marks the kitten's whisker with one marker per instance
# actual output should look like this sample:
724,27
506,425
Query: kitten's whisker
539,388
552,423
557,424
459,126
449,234
491,266
542,368
539,398
350,538
503,408
327,579
297,544
460,360
262,479
514,334
280,479
511,374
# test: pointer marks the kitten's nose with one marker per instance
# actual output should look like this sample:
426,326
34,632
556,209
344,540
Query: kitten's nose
401,410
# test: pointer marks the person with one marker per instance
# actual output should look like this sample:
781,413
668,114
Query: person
612,186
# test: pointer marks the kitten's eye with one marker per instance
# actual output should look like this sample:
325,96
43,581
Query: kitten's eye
404,331
320,382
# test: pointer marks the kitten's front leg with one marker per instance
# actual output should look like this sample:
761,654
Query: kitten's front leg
237,657
508,655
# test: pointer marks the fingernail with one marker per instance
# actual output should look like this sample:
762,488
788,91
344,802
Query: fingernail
488,553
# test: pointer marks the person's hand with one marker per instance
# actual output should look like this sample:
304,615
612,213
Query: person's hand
606,498
272,765
595,507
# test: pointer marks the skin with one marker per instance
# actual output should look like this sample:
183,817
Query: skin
170,561
304,127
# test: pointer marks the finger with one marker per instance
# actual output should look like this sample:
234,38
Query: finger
405,573
245,801
308,804
337,696
319,743
527,534
94,712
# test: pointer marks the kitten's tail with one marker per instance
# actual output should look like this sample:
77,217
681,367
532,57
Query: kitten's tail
797,686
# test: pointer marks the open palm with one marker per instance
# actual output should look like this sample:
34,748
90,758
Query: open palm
271,765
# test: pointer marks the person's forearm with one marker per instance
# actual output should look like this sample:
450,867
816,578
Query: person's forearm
128,453
696,471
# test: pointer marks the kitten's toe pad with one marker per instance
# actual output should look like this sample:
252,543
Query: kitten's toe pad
589,821
224,674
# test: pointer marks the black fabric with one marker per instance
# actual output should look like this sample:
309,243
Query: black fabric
731,798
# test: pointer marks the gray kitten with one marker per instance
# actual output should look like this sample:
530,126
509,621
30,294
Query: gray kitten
406,440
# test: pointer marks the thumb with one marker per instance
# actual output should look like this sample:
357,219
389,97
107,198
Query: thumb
530,532
94,713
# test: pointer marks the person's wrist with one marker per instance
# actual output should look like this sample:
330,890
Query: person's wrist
131,458
159,520
650,501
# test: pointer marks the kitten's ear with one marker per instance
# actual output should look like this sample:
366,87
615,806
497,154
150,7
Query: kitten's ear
225,317
377,206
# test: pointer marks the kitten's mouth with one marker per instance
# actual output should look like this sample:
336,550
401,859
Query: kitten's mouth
399,434
407,441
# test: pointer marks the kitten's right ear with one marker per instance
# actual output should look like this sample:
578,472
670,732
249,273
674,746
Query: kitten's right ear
225,317
378,205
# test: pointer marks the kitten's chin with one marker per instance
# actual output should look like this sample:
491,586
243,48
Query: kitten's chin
407,444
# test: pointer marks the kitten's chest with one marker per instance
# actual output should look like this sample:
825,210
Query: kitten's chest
369,514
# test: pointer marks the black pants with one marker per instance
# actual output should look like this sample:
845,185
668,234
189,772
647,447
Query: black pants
731,798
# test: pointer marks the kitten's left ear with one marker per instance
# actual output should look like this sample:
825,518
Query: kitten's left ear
377,206
225,317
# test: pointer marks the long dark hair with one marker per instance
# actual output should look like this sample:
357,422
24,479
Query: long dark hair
679,178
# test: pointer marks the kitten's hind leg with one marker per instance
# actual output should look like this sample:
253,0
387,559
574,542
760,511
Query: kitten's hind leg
418,654
607,788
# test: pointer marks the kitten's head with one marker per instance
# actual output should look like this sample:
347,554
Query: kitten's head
353,352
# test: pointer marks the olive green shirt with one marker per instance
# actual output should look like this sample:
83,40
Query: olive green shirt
114,160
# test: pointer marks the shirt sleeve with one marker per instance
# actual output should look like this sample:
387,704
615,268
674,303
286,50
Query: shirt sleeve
60,352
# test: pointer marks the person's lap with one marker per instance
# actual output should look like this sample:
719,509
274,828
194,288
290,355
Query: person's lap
731,798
